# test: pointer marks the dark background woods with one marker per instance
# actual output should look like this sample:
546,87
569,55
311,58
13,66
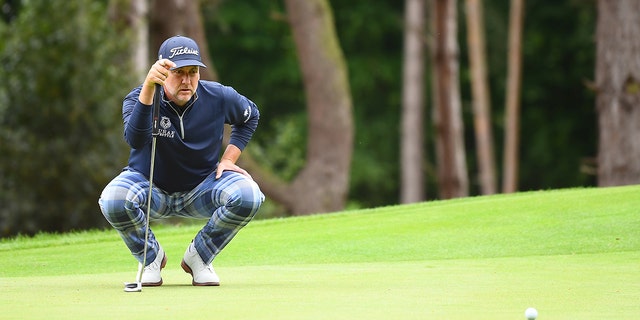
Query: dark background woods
65,71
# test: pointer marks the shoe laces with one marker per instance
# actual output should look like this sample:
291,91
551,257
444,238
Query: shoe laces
198,260
202,266
153,266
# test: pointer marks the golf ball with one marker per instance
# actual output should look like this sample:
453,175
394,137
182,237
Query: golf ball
531,313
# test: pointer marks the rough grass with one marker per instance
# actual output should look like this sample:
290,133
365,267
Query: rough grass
570,253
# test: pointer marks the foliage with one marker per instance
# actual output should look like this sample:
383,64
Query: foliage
253,51
60,127
559,125
252,48
283,154
371,37
59,132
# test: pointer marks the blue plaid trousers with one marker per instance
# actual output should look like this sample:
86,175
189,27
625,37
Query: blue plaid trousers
229,203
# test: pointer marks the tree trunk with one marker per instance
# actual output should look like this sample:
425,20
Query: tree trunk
412,142
514,78
618,92
323,183
179,17
132,15
481,101
452,172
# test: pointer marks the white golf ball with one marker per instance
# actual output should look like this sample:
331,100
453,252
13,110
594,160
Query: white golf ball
531,313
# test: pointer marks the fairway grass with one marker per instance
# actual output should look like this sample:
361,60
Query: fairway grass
572,254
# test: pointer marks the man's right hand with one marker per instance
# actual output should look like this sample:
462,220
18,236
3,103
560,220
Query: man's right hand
158,73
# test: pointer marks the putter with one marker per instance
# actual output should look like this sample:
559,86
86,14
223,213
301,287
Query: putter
137,286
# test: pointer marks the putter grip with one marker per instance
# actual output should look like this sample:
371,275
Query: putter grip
156,109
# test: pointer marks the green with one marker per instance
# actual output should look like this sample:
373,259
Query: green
570,253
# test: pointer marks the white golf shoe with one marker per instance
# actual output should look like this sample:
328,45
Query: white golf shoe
151,275
203,274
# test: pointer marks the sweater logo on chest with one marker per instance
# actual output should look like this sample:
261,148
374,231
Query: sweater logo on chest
164,131
165,123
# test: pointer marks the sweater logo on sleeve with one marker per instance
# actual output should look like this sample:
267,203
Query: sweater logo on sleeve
247,114
164,131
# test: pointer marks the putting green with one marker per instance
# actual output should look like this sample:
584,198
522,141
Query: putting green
571,254
590,286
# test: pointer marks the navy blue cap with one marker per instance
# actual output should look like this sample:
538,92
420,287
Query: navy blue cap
182,51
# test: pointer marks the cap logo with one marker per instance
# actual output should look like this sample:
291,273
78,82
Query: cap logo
177,51
182,51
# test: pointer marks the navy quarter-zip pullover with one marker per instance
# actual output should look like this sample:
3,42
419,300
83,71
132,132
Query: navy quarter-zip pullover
190,137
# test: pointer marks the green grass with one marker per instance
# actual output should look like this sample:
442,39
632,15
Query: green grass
571,253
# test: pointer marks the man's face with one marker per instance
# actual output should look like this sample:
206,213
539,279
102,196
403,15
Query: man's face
181,84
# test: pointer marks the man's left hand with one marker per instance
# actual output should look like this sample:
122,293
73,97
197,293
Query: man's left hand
228,165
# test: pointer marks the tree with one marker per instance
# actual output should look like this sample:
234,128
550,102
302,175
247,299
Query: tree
178,17
412,141
481,100
59,135
618,92
451,157
254,51
130,16
322,184
512,134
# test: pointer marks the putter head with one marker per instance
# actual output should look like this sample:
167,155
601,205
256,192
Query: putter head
133,287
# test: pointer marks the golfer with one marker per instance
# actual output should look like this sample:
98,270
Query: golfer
190,178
